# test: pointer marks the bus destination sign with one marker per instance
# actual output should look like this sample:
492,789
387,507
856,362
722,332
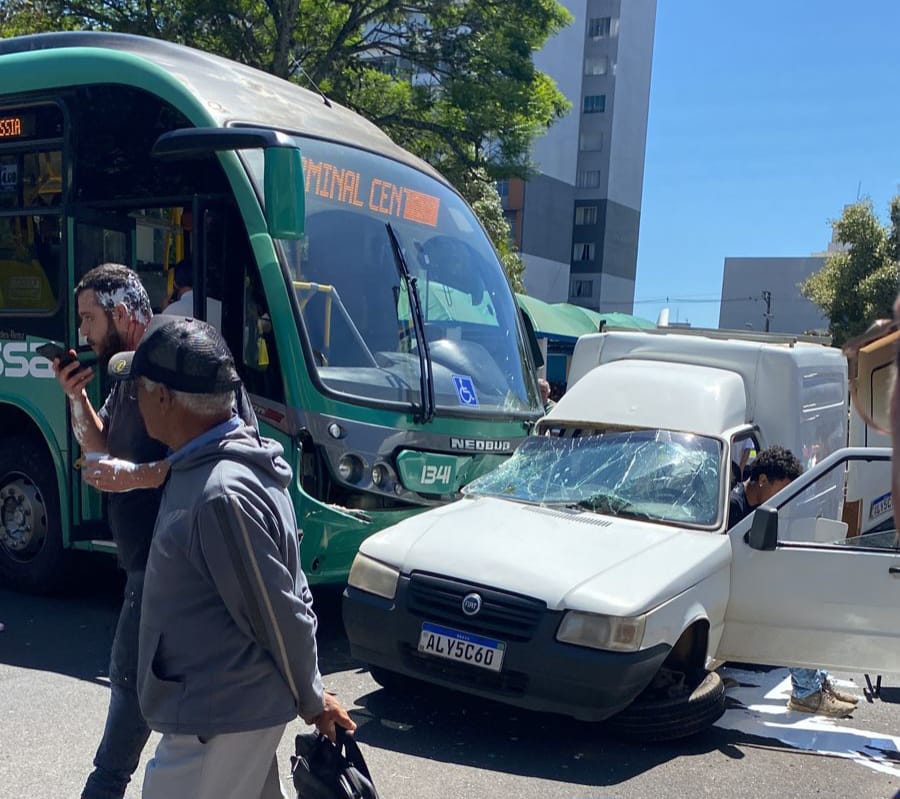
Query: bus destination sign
19,126
380,196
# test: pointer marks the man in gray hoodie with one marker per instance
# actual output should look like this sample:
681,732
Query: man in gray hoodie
227,651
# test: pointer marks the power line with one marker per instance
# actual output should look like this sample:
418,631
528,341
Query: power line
674,300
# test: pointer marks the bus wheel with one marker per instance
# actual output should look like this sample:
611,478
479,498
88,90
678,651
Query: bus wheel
32,557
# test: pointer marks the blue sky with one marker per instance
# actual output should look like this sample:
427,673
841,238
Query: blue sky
766,118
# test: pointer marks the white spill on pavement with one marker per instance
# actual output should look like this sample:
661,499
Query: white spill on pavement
758,706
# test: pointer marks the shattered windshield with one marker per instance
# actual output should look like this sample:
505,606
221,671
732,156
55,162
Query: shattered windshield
656,475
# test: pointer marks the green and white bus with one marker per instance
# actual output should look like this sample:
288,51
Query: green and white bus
374,328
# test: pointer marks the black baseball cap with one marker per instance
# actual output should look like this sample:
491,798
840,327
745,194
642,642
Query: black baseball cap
182,353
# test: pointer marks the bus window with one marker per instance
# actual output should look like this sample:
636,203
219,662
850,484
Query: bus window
259,357
29,265
100,243
31,180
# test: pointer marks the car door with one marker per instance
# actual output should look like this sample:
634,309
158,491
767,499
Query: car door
807,589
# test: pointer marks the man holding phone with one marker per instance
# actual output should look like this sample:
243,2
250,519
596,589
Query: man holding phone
114,310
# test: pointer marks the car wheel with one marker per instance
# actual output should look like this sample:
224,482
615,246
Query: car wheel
32,556
673,707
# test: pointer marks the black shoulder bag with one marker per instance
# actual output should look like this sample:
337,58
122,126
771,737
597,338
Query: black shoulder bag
323,770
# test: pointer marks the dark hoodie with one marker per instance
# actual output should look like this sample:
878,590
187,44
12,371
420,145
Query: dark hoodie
227,639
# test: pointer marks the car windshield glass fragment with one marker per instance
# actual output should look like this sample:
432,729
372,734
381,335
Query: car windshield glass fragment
655,475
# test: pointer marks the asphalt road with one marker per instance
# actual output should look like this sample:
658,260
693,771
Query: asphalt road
53,694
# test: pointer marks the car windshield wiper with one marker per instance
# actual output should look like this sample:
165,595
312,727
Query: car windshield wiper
426,377
610,504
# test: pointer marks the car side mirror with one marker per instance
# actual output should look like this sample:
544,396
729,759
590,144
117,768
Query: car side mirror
763,532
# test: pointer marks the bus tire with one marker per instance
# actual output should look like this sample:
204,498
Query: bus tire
32,556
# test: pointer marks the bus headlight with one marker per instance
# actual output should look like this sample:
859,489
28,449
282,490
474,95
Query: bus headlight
379,475
350,468
602,632
373,576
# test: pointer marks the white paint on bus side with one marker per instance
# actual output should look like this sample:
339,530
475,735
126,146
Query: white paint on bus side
19,359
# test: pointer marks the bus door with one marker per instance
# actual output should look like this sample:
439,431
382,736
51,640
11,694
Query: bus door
95,238
237,303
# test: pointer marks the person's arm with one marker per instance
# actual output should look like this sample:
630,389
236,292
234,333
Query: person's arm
895,439
115,475
231,539
87,425
332,715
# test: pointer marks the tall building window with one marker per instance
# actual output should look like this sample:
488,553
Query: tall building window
581,288
588,178
594,103
586,215
600,27
591,141
583,251
596,65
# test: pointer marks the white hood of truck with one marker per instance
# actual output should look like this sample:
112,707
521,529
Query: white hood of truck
570,560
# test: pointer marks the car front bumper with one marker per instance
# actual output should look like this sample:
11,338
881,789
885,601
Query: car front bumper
538,672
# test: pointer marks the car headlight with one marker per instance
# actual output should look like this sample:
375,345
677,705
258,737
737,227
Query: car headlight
602,632
373,576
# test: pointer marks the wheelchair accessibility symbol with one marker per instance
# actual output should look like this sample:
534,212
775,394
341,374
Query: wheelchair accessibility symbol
465,390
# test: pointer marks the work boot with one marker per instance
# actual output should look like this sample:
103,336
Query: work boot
823,704
842,696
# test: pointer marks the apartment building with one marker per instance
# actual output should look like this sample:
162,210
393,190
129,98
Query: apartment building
576,220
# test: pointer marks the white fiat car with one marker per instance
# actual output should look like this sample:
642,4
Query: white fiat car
559,586
594,573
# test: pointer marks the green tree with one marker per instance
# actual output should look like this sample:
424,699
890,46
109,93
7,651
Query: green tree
858,285
20,17
453,82
481,193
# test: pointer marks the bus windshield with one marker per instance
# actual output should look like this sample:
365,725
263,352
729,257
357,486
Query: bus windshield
354,301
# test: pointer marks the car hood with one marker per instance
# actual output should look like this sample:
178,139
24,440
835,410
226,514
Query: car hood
568,559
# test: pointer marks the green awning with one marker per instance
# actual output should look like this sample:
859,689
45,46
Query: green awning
561,320
549,322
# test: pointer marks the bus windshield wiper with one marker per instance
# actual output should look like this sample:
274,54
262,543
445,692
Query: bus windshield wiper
426,377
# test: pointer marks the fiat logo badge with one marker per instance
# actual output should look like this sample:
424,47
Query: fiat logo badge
471,604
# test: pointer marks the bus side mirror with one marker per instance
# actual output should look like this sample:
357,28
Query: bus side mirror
763,532
283,184
284,192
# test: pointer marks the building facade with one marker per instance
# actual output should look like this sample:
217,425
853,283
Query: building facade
576,220
760,290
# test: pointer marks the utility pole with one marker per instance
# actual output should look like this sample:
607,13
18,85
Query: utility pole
767,298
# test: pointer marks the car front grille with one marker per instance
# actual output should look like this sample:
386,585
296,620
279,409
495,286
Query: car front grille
509,616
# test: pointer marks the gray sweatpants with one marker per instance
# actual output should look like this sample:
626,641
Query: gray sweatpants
239,765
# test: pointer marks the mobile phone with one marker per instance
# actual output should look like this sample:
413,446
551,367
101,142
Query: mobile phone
50,350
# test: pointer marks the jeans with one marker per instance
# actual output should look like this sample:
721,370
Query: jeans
120,748
806,682
126,732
